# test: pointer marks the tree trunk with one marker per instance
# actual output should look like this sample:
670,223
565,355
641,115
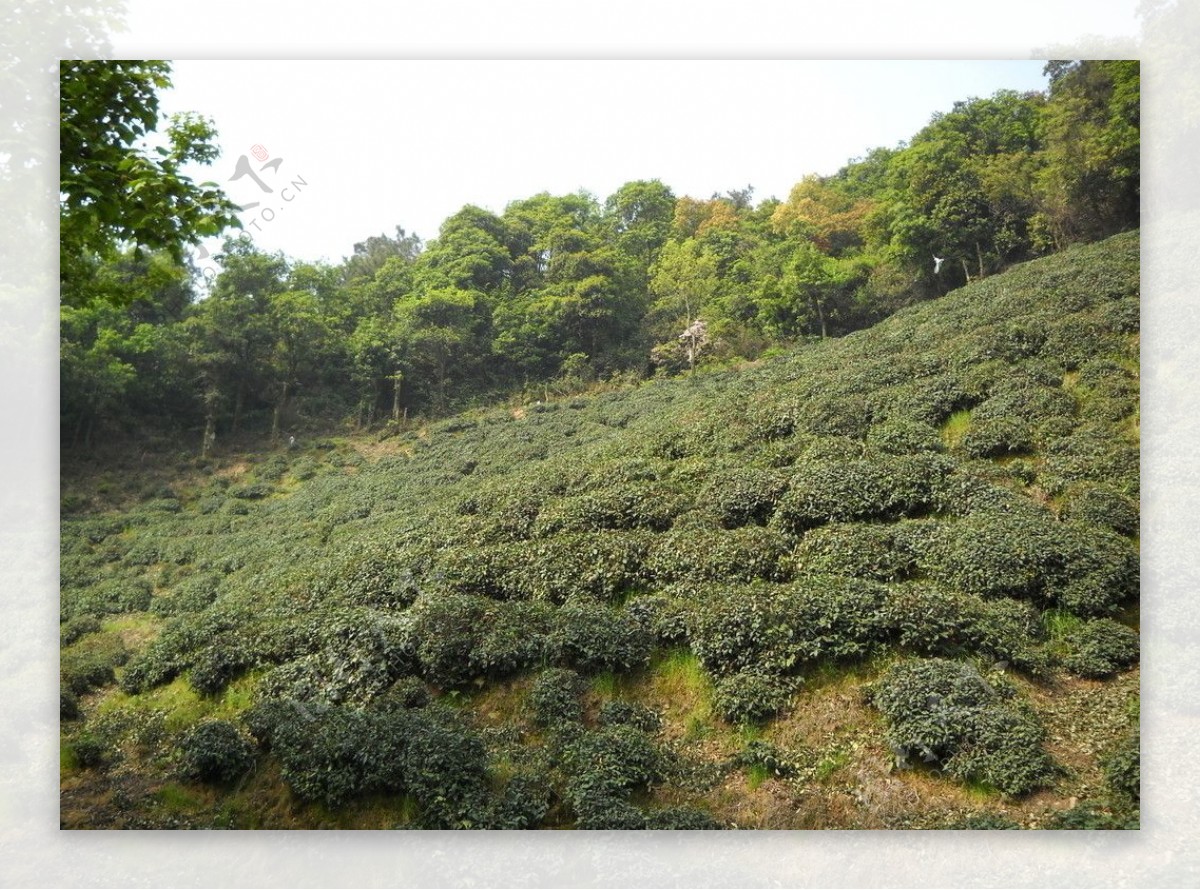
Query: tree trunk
210,434
979,254
279,408
396,381
820,315
237,407
966,271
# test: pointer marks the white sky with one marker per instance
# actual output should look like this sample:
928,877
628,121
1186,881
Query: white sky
387,143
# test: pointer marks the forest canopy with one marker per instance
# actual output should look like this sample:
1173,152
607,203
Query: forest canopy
556,292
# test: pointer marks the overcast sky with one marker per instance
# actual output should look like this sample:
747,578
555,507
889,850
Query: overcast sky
364,146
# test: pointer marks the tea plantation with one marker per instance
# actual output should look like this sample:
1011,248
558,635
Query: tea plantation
883,581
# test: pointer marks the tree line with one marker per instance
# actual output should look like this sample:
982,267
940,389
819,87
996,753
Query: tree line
557,290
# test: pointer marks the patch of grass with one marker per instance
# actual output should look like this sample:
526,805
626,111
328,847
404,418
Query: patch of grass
606,684
1060,624
677,683
956,426
831,763
177,799
756,774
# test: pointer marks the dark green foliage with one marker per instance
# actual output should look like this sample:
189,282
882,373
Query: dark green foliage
406,692
77,628
762,754
332,754
593,637
623,713
68,705
946,713
1026,554
859,550
997,437
1100,648
937,621
447,629
1104,506
255,491
513,637
753,695
902,436
602,565
884,488
215,751
744,496
1123,770
602,768
90,663
681,819
776,628
91,750
694,555
523,803
555,697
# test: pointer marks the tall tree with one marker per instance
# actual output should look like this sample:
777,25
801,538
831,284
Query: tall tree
115,190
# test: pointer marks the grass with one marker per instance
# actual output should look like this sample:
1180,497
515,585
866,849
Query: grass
955,428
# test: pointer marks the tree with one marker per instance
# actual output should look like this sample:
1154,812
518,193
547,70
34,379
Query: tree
1090,187
115,190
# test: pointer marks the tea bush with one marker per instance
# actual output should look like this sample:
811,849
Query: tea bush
862,550
744,496
215,751
946,713
753,695
623,713
1100,648
691,554
555,697
936,621
590,637
884,488
1104,506
1122,769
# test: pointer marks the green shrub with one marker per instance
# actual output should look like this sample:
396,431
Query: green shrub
91,750
623,713
936,621
90,663
681,819
406,692
901,435
593,637
603,767
77,628
556,697
860,550
603,565
884,488
68,704
696,555
997,437
515,636
1104,506
253,492
776,628
945,713
1123,770
215,751
447,629
1100,648
522,804
753,695
743,496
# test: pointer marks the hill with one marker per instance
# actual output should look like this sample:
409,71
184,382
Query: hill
885,581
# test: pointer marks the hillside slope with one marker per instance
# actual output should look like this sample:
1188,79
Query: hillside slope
884,581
